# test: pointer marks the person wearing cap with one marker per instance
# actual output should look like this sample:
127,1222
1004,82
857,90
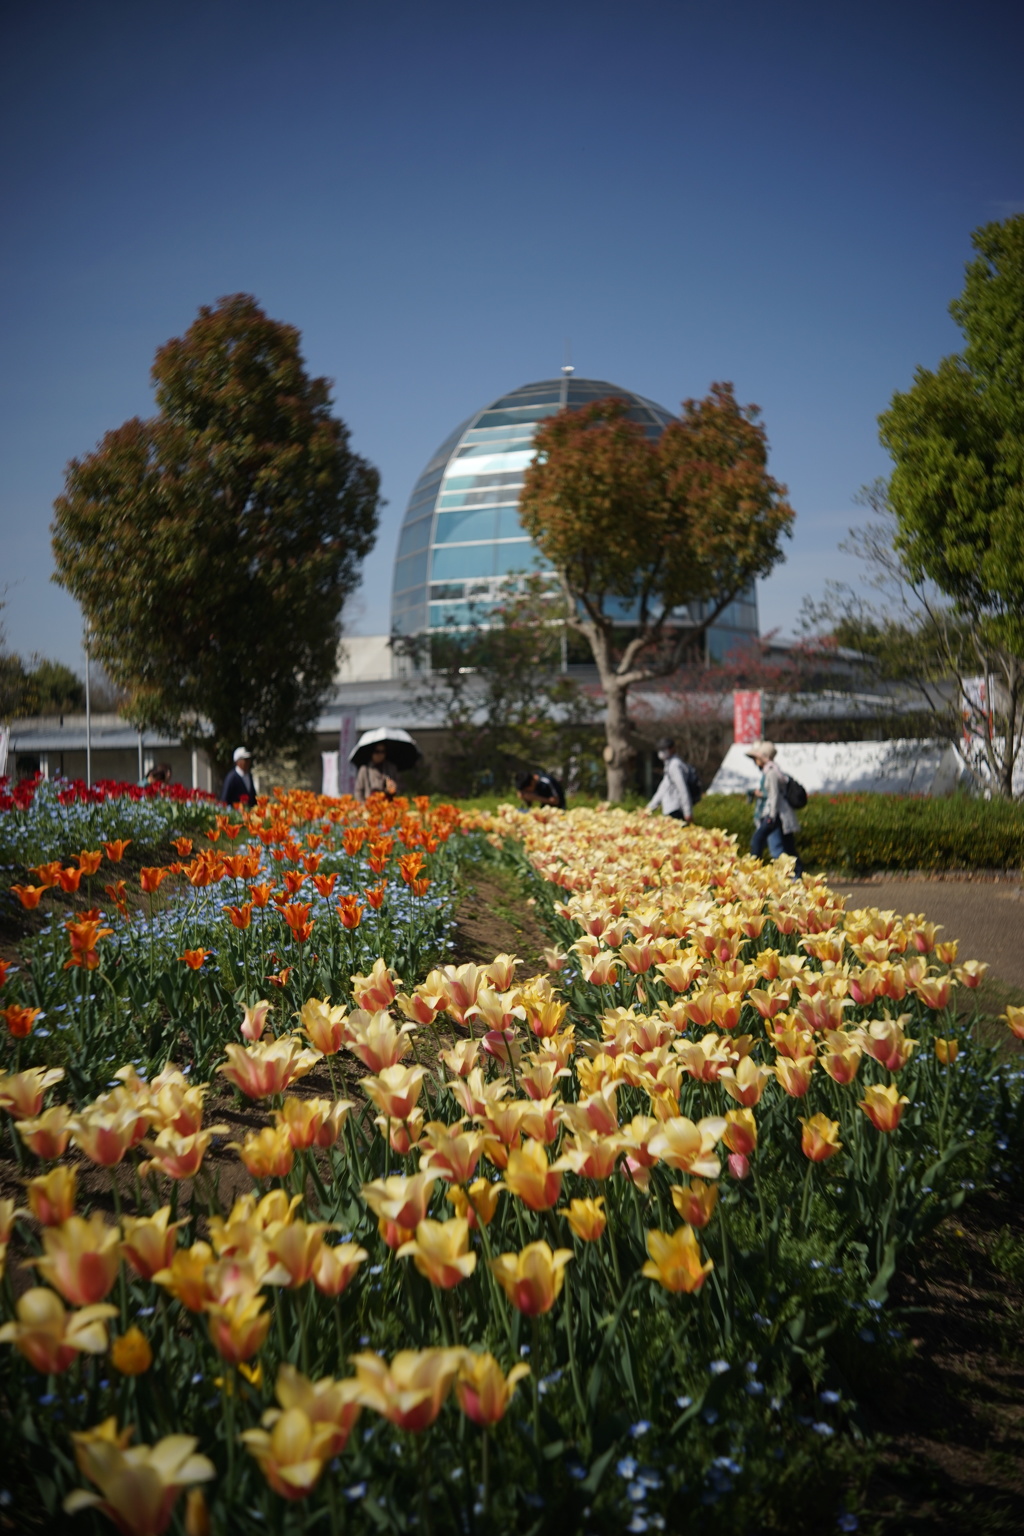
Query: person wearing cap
378,776
775,821
238,785
673,793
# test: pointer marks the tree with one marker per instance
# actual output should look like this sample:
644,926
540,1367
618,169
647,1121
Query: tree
638,530
212,546
956,494
43,687
497,683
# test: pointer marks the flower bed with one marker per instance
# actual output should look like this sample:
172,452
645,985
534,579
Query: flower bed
607,1248
41,819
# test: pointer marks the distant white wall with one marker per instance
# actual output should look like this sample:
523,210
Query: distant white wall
364,659
903,767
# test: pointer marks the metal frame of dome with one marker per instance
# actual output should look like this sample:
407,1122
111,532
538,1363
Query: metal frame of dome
461,537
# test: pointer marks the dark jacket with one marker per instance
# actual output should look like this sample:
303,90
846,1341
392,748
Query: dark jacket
235,787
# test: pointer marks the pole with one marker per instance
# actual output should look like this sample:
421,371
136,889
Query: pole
88,714
140,757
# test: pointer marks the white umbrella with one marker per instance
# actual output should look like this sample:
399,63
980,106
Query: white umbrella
401,748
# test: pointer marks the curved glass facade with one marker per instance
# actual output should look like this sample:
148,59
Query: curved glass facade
461,536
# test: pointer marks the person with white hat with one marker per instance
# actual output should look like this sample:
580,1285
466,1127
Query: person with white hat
775,821
238,785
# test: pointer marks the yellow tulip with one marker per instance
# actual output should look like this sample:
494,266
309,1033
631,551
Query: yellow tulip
51,1196
695,1201
587,1218
149,1241
49,1337
238,1326
291,1455
532,1279
440,1251
529,1175
138,1487
883,1106
335,1266
335,1404
478,1202
675,1260
947,1051
740,1134
267,1153
681,1144
130,1354
483,1390
399,1204
409,1392
80,1258
819,1139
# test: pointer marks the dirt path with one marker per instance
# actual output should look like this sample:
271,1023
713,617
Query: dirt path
987,916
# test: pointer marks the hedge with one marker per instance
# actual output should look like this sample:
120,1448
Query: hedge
859,834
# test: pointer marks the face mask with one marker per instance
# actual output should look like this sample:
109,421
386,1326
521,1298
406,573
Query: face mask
664,756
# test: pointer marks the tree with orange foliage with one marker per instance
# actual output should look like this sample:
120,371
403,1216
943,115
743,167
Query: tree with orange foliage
639,530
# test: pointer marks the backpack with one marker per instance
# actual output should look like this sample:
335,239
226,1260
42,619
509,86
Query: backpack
796,795
694,784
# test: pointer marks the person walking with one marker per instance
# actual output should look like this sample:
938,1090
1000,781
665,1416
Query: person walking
775,821
673,793
238,785
378,776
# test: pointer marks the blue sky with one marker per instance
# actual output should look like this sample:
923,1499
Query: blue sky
438,195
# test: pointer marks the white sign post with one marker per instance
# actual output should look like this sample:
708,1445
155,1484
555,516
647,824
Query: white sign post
347,737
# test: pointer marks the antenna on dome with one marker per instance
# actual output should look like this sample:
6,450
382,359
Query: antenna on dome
567,367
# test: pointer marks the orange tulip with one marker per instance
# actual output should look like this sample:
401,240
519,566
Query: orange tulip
80,1258
675,1260
819,1139
350,911
89,860
29,895
19,1020
131,1354
483,1390
532,1279
115,850
194,958
51,1338
241,916
151,877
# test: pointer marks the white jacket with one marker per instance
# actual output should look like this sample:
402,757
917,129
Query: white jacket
776,805
672,793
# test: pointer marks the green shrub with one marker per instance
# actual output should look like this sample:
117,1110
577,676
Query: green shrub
858,834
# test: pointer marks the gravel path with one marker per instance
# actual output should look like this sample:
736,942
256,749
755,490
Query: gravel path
987,916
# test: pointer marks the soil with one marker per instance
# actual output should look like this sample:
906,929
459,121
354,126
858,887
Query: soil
951,1427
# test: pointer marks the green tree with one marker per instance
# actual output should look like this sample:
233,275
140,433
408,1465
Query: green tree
498,685
956,495
212,546
651,540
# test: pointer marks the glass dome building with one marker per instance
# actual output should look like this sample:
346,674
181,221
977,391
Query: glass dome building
461,536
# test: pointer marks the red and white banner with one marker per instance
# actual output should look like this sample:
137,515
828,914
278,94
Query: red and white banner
746,716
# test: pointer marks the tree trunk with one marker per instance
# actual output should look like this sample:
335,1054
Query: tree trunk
618,754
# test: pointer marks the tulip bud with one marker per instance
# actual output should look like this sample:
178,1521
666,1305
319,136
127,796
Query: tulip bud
131,1354
947,1051
197,1516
